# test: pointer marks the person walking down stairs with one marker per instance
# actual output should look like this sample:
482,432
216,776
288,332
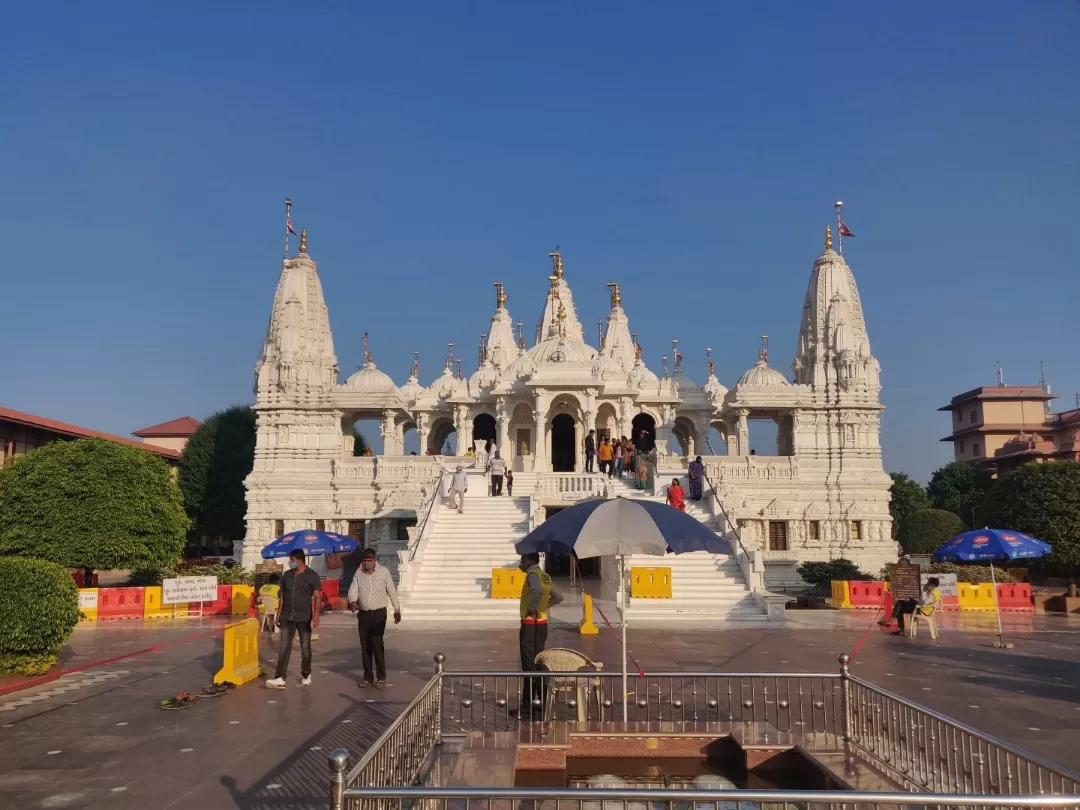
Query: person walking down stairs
497,467
459,485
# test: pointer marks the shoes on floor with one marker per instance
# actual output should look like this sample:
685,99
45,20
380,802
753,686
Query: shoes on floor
276,683
885,623
380,684
363,684
305,681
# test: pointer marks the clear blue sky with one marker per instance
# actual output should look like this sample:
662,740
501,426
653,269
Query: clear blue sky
689,151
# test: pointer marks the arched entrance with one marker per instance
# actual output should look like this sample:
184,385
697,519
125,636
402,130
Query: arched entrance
644,422
563,443
483,428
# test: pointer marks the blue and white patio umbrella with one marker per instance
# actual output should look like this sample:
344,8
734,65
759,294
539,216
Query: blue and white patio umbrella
618,527
988,545
311,541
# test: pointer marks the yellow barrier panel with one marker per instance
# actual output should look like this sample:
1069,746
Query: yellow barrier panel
241,653
650,583
241,599
506,583
154,609
586,626
841,596
975,597
88,598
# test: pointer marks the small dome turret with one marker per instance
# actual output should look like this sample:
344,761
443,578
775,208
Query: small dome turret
369,380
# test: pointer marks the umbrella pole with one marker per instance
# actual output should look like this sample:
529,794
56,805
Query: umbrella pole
1001,645
622,589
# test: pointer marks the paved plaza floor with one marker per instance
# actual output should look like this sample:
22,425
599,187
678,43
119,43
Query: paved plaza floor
96,738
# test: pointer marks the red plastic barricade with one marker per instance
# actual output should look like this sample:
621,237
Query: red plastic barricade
80,579
866,594
222,606
331,589
1015,596
120,603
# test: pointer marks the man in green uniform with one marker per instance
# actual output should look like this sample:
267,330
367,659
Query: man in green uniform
536,598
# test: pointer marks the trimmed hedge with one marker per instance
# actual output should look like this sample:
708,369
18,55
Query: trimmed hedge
39,606
822,573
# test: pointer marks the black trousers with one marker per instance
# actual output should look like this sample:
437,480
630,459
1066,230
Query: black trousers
496,485
532,638
509,486
903,607
288,631
371,625
605,467
589,461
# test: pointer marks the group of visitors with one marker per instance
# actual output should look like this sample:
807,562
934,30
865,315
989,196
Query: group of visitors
299,599
622,457
695,482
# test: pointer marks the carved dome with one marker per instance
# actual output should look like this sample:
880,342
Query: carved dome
522,367
562,350
762,376
443,386
641,377
369,380
484,377
411,390
608,367
714,389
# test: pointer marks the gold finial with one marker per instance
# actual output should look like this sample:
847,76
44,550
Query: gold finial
500,296
561,314
303,240
556,262
616,298
828,238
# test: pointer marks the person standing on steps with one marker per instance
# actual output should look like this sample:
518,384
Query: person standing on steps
300,588
371,589
536,598
509,482
590,450
497,467
459,485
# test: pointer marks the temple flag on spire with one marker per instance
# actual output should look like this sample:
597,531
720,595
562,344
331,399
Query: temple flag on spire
845,230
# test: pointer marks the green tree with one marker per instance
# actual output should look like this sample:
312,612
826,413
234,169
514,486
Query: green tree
1042,500
906,498
928,530
359,444
92,504
40,606
959,487
216,460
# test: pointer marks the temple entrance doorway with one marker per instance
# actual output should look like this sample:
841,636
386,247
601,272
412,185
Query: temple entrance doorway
644,422
483,428
563,443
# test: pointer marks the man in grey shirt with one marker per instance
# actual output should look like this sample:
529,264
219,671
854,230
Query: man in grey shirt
497,467
371,589
300,597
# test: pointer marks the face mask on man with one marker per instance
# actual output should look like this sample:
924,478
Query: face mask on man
292,564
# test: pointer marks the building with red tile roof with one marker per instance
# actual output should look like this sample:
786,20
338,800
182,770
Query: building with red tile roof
171,435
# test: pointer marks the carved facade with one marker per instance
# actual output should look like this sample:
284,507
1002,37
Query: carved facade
825,485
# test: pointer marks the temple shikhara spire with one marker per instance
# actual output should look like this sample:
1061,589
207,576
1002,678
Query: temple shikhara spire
815,491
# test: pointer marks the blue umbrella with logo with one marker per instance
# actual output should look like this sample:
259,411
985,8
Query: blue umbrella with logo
988,545
311,541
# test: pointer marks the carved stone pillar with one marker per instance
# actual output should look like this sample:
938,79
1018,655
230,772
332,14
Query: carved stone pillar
744,432
461,434
422,432
386,429
626,417
502,435
539,441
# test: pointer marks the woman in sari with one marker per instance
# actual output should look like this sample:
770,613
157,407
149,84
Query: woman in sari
675,496
695,478
641,470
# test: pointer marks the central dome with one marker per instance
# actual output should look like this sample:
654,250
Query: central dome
562,350
369,380
762,376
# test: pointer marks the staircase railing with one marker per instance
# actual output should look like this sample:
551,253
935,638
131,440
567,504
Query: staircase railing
755,579
406,568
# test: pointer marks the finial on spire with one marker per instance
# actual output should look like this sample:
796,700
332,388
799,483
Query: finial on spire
828,238
521,334
763,352
303,240
450,356
556,262
415,364
664,358
561,314
676,356
600,331
500,297
483,347
616,298
633,338
708,359
459,374
367,352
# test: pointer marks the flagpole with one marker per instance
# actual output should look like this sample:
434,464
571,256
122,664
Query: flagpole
839,231
288,217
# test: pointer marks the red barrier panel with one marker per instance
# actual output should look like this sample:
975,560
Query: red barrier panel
1015,596
80,579
331,589
222,606
949,603
866,594
120,603
887,612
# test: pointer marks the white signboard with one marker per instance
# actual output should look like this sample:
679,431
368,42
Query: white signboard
88,600
188,589
947,583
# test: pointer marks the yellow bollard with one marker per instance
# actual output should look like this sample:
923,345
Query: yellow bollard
650,583
841,597
241,653
586,627
506,583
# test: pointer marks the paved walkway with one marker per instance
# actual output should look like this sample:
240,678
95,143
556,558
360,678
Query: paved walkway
96,739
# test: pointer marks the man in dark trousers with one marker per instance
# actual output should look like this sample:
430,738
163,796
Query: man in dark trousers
590,450
536,597
300,588
371,589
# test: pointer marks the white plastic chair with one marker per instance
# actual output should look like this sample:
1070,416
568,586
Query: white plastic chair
268,606
919,616
558,659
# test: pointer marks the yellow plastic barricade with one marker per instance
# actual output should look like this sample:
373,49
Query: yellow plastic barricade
841,597
152,607
506,583
586,626
975,597
88,598
241,651
650,583
241,599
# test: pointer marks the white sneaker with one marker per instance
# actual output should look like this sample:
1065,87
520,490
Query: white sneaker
305,681
276,683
